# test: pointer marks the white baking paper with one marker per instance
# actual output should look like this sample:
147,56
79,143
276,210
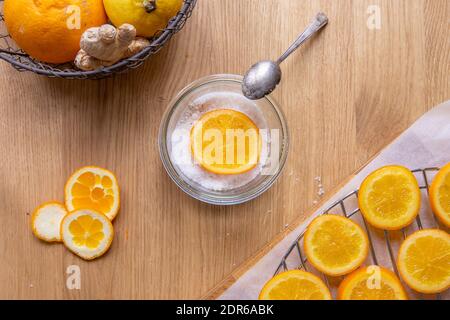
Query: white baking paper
425,144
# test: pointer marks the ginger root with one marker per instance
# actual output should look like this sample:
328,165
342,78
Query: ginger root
104,46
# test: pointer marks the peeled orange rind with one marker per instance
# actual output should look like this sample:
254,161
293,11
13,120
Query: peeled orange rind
87,233
424,261
389,198
335,245
295,285
46,221
440,195
93,188
371,283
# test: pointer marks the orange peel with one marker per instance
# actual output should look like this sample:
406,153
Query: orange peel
46,221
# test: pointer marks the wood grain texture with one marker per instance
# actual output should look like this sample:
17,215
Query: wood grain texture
346,95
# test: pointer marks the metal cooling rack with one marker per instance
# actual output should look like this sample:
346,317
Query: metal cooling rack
347,206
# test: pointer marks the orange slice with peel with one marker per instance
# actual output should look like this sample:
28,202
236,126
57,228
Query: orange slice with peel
295,285
335,245
371,283
93,188
87,233
225,141
440,195
424,261
46,221
389,198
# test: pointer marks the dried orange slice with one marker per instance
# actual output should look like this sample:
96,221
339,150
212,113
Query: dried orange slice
389,198
225,141
371,283
46,221
335,245
424,261
295,285
440,195
93,188
87,233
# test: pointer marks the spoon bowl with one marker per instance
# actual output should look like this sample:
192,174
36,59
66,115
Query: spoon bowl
261,79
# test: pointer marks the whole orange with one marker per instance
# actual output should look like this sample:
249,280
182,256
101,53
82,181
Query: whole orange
50,30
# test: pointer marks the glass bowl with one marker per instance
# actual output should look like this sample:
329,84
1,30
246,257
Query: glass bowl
223,91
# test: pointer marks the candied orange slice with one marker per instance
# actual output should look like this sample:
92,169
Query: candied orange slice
93,188
87,233
46,221
424,261
440,195
295,285
371,283
389,198
335,245
225,141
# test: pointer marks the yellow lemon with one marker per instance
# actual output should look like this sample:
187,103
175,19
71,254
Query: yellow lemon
87,233
93,188
335,245
440,195
371,283
424,261
148,16
295,285
389,198
226,141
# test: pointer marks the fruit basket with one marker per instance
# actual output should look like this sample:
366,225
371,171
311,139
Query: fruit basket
23,62
383,244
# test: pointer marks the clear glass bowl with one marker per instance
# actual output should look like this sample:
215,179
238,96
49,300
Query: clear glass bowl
274,121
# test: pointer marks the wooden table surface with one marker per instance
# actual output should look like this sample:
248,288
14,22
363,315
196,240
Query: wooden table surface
346,94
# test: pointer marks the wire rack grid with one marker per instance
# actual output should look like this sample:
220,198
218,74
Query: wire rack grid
12,54
383,244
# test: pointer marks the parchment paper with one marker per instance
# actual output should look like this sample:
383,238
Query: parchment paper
425,144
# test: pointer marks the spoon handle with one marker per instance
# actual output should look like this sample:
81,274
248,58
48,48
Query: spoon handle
318,23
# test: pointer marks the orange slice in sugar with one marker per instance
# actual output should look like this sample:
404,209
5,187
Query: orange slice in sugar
226,141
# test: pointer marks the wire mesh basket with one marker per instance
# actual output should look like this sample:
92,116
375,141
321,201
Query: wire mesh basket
383,244
23,62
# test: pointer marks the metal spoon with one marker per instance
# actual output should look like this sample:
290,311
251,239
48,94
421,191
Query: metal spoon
262,78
